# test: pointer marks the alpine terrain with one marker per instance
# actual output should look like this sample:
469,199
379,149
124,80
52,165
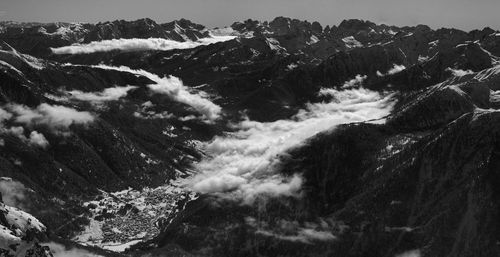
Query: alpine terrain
274,138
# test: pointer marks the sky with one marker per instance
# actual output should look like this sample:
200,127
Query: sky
462,14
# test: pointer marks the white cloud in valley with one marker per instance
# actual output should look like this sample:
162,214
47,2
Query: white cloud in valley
286,230
175,89
38,139
136,44
13,192
56,117
244,164
22,122
59,250
108,94
411,253
355,82
395,69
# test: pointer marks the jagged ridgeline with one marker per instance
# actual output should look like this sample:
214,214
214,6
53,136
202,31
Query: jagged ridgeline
280,138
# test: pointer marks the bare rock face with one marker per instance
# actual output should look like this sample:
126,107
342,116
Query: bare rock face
181,30
142,28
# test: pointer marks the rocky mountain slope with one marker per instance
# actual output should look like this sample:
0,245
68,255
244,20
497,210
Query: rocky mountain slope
280,138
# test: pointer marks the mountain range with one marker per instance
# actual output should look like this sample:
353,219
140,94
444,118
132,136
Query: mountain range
280,138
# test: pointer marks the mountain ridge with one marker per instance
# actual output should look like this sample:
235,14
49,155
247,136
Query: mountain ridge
263,138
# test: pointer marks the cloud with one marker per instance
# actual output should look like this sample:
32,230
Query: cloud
315,235
395,69
59,250
175,89
307,236
35,138
293,231
38,139
16,131
56,117
353,83
459,72
152,115
412,253
13,192
108,94
145,113
136,44
244,164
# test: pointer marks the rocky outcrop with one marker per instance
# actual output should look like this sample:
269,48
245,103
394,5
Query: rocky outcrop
181,30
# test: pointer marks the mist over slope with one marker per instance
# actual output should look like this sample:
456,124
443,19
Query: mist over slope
280,138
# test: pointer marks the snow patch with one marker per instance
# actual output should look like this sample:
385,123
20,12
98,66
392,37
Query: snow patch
459,72
351,42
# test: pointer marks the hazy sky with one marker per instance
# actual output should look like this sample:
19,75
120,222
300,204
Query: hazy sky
463,14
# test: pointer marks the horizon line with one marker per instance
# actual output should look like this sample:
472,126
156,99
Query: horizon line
243,20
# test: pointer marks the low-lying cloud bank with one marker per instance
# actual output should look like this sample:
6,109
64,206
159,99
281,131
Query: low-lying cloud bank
136,44
17,120
59,250
175,89
355,82
108,94
145,113
56,117
244,164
